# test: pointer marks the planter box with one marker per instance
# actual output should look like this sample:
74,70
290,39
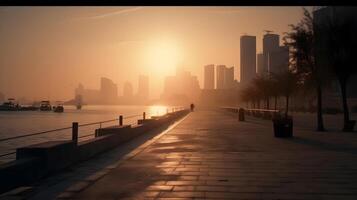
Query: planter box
283,127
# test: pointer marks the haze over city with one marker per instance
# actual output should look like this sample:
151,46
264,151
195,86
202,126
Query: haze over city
47,51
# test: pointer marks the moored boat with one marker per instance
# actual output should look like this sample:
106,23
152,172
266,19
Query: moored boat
45,106
59,108
9,105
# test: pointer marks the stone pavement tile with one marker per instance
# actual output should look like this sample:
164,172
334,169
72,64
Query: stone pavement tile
78,186
163,198
65,195
159,188
184,188
185,183
212,188
231,195
96,176
182,194
188,178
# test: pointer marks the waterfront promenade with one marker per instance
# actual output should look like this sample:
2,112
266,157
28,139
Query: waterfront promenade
210,155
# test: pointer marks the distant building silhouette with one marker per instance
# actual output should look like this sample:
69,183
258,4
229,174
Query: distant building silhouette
248,52
279,60
260,64
270,44
108,90
128,90
209,77
183,88
107,94
220,72
229,78
143,88
89,96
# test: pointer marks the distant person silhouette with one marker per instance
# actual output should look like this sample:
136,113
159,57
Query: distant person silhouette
192,107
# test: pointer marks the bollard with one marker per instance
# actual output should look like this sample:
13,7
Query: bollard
144,114
121,120
75,132
241,114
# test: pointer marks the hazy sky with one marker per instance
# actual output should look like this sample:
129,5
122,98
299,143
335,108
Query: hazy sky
46,51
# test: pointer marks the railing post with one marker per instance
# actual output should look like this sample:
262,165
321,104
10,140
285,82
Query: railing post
121,120
144,114
75,132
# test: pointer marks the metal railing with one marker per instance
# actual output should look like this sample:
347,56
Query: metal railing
264,113
76,126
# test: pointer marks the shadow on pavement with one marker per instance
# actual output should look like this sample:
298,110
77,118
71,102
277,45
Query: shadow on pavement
322,145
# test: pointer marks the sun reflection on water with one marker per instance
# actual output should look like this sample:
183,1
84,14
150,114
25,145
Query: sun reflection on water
158,110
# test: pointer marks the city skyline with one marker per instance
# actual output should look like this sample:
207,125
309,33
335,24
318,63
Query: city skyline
84,44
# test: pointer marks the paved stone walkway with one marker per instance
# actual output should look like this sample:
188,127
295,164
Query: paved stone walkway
210,155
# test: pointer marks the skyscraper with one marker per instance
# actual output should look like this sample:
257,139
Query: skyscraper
143,87
270,44
279,60
260,64
128,90
229,78
108,89
220,71
247,58
209,77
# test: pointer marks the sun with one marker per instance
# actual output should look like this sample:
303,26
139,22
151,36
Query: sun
163,56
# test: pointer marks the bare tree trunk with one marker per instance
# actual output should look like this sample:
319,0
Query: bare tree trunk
268,103
320,122
276,102
346,115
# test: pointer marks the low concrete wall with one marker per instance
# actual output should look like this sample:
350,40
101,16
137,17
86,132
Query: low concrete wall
36,161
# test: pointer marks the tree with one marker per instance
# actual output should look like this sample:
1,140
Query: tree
302,40
340,43
264,87
250,95
288,81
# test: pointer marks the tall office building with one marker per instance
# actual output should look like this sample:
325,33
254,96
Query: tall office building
128,90
181,88
270,44
143,87
229,78
108,89
247,58
208,77
279,60
260,64
220,72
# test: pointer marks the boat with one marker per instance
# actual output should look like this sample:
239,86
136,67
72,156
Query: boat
9,105
45,106
29,108
59,108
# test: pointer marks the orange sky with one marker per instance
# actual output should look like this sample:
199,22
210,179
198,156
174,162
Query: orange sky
46,51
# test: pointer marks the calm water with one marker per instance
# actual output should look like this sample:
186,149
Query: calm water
25,122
